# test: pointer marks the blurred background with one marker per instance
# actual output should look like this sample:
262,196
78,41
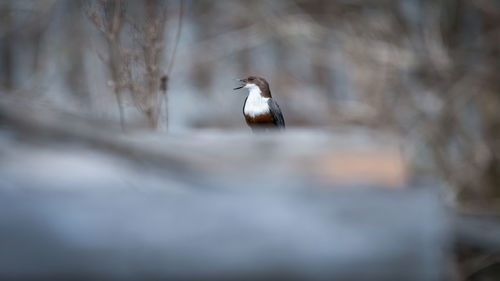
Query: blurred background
137,95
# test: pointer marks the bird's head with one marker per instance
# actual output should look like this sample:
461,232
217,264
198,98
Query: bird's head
255,82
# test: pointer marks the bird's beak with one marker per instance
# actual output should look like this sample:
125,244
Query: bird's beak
241,86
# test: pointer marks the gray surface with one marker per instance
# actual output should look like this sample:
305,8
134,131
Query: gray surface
286,233
81,201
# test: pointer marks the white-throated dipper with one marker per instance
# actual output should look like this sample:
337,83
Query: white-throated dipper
259,109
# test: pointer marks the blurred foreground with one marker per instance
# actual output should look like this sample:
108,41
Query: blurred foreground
79,201
281,234
82,201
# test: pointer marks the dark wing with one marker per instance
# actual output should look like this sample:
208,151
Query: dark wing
245,103
276,113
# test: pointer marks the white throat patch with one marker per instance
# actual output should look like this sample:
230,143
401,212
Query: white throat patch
255,104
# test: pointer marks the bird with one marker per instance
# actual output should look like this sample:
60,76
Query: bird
259,109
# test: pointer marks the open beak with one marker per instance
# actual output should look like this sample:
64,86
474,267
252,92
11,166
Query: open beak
241,86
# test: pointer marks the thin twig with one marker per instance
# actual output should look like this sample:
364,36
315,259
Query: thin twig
164,79
177,38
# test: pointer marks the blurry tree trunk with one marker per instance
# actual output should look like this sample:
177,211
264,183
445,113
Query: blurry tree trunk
20,39
7,66
489,103
76,77
201,70
155,20
119,103
163,89
244,56
115,24
6,45
108,18
491,97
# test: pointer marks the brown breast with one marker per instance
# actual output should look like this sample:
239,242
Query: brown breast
262,119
